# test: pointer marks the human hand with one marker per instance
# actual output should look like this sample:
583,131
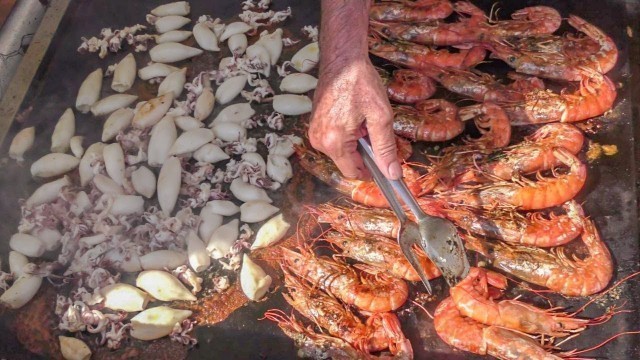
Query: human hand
349,103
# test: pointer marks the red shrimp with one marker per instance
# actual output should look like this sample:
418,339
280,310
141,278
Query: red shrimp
469,335
534,229
382,253
410,11
370,292
555,269
416,56
493,123
559,57
359,221
428,120
530,21
472,298
364,192
409,86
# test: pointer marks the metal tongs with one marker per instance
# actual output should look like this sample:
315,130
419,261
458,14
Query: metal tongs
436,236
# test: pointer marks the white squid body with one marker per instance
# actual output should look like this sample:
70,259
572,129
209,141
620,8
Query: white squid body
210,153
199,259
114,162
186,123
163,286
160,259
74,349
171,52
81,203
205,37
180,8
204,104
222,207
89,91
48,192
222,239
93,154
91,241
271,232
124,74
17,262
210,221
124,297
163,135
155,70
190,141
230,88
144,181
298,83
75,143
256,159
54,164
22,291
237,27
170,22
156,322
50,237
118,121
247,192
225,62
261,53
279,168
272,43
256,211
236,113
152,111
21,143
173,36
129,263
286,147
237,44
127,205
228,131
112,103
169,184
173,83
106,185
63,132
306,58
253,280
289,104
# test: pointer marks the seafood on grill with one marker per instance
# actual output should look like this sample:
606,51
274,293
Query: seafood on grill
410,11
428,120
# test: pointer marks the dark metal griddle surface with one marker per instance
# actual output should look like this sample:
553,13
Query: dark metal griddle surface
609,196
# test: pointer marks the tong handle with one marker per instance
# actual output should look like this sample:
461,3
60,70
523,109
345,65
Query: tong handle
385,185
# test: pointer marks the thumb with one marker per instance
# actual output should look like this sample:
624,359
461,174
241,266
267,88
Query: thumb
383,142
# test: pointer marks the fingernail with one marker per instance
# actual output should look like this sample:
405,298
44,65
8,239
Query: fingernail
395,171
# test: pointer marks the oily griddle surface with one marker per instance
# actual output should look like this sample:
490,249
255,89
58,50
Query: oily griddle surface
609,196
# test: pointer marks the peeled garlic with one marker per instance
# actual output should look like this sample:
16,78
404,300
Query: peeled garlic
89,91
74,349
152,111
190,141
306,58
230,88
247,192
54,164
253,280
124,74
160,259
156,322
289,104
169,184
144,181
256,211
222,239
21,143
163,286
47,192
63,131
163,135
298,83
22,290
198,257
124,297
271,232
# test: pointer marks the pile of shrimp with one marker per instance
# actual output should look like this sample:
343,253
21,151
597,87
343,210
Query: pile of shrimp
512,200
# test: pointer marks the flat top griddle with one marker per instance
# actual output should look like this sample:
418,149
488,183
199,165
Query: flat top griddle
609,197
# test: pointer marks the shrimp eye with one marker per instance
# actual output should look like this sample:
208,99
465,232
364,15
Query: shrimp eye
296,261
344,243
512,59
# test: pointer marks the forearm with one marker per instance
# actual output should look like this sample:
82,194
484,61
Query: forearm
343,38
